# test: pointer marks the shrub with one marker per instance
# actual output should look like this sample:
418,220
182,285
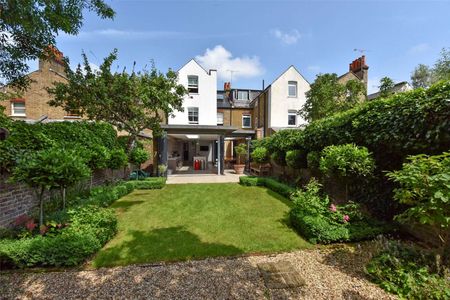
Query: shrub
313,160
149,183
138,156
279,157
425,189
320,221
296,159
272,184
408,272
117,159
240,150
260,155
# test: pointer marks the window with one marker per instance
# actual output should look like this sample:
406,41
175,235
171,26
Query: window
219,97
246,121
242,95
219,118
18,108
292,89
292,118
193,115
193,84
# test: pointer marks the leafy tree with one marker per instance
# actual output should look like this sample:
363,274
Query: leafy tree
240,150
139,156
425,189
422,76
328,96
129,101
48,169
29,27
117,159
386,86
441,69
260,155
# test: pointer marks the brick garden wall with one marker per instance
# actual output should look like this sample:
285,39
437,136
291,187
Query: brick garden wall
18,199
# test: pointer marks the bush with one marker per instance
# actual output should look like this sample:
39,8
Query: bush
408,272
272,184
296,159
149,183
320,221
260,155
139,155
279,157
313,160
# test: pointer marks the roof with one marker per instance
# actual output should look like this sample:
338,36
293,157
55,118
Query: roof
198,129
398,88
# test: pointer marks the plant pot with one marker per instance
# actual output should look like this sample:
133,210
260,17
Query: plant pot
239,169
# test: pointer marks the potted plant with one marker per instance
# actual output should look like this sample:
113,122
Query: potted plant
241,150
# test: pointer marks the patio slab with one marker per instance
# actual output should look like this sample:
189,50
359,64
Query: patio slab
229,176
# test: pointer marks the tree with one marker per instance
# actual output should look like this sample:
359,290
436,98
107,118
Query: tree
117,159
328,96
129,101
386,86
29,27
421,77
441,69
48,169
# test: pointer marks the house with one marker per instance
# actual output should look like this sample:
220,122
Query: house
357,70
277,106
400,87
32,104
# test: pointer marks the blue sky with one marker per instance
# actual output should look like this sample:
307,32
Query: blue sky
260,39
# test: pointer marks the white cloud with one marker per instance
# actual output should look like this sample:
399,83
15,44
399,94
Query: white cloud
419,48
314,68
287,38
223,61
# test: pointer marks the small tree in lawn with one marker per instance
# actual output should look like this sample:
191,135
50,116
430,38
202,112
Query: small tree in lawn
138,156
424,186
117,159
97,158
130,101
48,169
347,162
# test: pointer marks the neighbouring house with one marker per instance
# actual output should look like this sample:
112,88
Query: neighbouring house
400,87
357,70
277,106
32,105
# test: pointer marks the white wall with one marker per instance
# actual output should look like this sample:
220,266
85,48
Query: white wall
205,100
279,101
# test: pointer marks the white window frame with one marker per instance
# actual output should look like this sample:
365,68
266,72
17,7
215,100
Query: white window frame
245,116
13,109
294,84
292,113
193,86
193,110
220,113
237,95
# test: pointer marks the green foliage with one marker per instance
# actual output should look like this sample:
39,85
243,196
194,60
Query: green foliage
328,96
386,87
408,272
129,101
441,70
260,155
117,159
139,155
296,159
149,183
425,189
29,27
240,150
422,76
313,160
272,184
279,157
317,220
346,161
104,196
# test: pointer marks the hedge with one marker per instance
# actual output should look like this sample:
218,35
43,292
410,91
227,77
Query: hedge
149,183
272,184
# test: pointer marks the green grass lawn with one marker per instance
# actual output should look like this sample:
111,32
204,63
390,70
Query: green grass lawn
192,221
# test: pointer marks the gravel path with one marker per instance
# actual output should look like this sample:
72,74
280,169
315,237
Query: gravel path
330,273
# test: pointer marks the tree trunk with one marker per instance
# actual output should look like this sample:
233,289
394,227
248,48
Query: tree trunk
63,196
41,207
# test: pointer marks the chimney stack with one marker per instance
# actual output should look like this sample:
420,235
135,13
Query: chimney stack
360,69
52,59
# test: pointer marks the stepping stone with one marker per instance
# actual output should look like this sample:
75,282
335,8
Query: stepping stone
281,275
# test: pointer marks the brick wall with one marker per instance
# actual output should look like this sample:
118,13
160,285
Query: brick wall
18,199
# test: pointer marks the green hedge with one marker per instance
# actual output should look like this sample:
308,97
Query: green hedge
149,183
90,226
272,184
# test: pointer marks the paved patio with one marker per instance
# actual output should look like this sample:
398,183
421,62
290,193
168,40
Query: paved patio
229,176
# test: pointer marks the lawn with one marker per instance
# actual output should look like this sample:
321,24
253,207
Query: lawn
192,221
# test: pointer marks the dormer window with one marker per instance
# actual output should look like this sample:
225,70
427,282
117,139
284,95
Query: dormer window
193,84
292,89
242,95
